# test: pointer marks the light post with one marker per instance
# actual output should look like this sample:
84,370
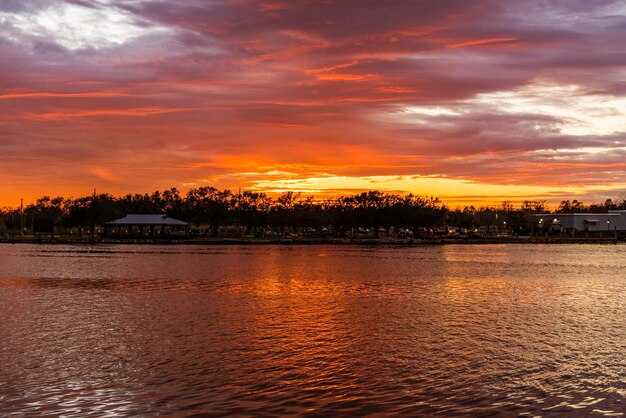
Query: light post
21,217
496,224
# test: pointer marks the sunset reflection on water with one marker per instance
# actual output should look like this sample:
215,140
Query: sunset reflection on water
454,330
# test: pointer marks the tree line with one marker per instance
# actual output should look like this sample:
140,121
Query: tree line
212,212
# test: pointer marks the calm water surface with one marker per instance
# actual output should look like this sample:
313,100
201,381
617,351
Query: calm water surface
276,330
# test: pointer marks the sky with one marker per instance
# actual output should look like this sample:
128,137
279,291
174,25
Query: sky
474,101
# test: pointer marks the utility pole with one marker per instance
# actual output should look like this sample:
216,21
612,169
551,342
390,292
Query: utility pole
21,217
239,211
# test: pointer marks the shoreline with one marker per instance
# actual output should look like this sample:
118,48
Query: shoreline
316,241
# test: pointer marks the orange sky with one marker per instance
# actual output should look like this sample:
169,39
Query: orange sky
475,102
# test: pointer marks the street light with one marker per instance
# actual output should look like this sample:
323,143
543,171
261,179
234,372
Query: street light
22,217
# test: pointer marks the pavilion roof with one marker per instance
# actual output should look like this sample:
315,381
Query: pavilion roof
152,219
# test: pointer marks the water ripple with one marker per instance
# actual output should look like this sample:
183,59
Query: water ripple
117,331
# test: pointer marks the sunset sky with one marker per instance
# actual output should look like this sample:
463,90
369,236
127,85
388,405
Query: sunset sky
470,100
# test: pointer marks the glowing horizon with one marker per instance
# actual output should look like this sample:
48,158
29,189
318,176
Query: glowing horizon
473,102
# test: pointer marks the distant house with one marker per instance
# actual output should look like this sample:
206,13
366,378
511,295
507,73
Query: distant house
614,220
155,223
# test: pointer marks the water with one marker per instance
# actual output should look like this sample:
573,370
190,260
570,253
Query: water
276,330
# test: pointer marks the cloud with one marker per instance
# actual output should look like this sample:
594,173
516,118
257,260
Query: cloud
41,95
485,92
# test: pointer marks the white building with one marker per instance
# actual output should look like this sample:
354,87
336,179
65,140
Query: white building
592,222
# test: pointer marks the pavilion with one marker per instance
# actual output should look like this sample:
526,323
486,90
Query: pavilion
162,222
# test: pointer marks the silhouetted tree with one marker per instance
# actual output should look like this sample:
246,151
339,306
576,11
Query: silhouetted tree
255,208
572,207
90,211
45,214
208,206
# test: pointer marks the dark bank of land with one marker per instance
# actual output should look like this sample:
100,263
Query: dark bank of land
315,241
209,216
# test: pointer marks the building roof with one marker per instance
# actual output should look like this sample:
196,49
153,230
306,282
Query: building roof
155,219
548,215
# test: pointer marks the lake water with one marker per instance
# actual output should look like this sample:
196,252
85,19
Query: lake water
457,330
